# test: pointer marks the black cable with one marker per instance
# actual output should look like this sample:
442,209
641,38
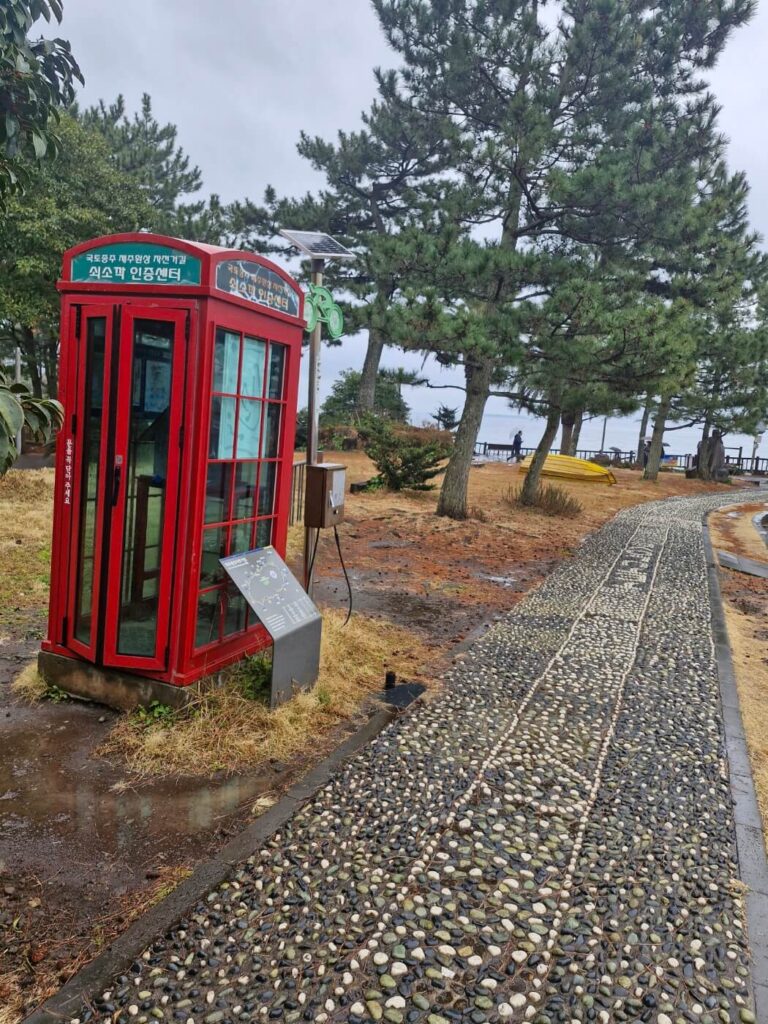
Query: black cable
344,569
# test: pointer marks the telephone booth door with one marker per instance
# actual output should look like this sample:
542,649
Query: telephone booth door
129,396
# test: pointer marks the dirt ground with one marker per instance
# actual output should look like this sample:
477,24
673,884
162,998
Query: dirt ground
79,833
450,579
746,610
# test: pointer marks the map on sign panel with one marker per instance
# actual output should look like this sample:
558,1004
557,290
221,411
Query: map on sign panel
271,590
316,244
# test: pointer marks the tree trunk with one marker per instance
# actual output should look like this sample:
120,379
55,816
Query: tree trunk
28,348
367,394
453,493
704,455
531,483
568,421
51,355
576,433
657,441
643,429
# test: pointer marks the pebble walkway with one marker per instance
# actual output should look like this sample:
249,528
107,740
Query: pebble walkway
550,840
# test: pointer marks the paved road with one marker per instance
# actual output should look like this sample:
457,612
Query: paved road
551,840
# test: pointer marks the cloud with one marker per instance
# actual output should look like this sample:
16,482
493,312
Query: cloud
241,80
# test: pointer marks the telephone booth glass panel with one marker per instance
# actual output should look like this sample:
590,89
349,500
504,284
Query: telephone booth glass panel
241,476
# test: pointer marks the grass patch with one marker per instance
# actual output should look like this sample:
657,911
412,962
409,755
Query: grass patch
549,499
232,729
26,503
29,685
294,546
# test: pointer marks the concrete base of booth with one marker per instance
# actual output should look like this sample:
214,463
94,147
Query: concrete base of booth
118,690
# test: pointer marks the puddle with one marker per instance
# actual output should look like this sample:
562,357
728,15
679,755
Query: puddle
503,581
54,798
761,525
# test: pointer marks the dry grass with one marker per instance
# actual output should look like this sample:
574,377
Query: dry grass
549,499
225,731
294,547
752,683
29,685
10,994
746,608
26,501
732,529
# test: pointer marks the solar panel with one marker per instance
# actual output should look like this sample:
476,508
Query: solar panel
318,245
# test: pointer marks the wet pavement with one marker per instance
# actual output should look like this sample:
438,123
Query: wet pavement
550,840
55,798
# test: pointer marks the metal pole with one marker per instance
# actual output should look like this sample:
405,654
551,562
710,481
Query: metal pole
313,418
18,381
605,426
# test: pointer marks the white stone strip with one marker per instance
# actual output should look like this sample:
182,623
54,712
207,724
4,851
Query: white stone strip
564,904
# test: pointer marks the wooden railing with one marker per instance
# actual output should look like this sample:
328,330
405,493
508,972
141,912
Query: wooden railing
735,459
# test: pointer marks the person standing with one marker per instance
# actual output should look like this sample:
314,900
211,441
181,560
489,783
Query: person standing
517,444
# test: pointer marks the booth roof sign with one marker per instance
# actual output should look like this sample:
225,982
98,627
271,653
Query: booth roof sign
250,280
137,263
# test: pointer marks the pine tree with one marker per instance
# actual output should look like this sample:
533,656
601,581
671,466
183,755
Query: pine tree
723,276
582,135
446,418
148,152
376,179
341,405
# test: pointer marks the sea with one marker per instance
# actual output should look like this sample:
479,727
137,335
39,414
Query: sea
443,386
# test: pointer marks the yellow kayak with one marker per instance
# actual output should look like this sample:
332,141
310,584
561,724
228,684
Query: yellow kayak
566,467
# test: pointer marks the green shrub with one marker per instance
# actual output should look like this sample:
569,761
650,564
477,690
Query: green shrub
551,500
403,459
156,714
254,677
41,417
55,694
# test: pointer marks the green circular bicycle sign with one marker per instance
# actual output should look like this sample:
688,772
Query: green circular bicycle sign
319,306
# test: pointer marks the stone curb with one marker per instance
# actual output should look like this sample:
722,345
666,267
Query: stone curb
98,975
750,844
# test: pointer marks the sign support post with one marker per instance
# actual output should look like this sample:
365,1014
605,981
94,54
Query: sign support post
313,416
286,612
319,247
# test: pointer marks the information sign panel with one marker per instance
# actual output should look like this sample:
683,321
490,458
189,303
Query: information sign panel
287,613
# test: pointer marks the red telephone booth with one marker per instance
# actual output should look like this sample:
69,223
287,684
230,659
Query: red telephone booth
179,378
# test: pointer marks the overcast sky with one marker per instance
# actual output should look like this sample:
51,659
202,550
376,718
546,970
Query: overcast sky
242,78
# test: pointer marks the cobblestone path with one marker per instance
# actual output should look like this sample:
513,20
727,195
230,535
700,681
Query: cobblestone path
551,840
